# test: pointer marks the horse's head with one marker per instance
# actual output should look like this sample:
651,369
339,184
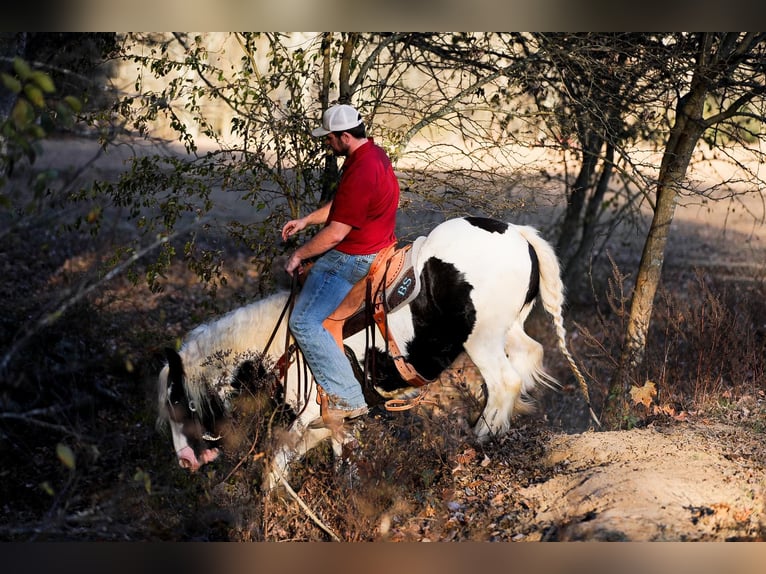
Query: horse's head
205,401
195,415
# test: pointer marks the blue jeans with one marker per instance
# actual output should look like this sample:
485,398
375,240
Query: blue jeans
328,282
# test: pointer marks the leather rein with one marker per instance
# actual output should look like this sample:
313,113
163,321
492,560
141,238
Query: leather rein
292,352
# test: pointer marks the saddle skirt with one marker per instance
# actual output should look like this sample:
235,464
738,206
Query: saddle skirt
391,283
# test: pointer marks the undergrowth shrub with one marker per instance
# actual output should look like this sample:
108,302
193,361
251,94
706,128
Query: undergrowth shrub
707,340
401,463
711,340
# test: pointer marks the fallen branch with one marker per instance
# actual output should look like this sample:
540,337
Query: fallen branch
30,417
307,510
37,422
50,318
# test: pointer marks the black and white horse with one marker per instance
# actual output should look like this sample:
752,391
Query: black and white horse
479,279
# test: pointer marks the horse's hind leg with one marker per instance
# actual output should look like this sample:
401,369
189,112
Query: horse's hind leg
504,385
526,356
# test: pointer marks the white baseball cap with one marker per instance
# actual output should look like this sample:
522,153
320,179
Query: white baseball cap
337,119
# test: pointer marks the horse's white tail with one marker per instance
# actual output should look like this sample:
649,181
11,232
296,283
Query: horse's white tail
552,296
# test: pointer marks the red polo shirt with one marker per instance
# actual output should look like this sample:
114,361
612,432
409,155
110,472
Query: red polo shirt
367,199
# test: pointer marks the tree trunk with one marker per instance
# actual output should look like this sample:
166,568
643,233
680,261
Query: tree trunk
684,136
330,175
591,144
344,81
574,274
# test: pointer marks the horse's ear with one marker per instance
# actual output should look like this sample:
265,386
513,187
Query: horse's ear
175,369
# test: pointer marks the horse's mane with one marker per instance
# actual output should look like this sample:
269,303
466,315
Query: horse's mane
211,352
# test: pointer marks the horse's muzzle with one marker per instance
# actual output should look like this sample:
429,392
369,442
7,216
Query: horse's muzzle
189,461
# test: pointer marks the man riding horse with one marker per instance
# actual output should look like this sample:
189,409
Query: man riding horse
358,224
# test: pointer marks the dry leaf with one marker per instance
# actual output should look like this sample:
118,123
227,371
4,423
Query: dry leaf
743,515
644,394
466,457
682,416
65,455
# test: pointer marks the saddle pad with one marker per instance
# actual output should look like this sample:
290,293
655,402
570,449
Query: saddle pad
406,284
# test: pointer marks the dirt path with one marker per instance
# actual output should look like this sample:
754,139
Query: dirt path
688,482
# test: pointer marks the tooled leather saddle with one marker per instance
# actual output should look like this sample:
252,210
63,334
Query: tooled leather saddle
390,284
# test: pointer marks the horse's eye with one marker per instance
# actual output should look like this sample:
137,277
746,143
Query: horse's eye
170,397
192,407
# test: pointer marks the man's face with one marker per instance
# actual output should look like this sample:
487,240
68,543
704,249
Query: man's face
338,144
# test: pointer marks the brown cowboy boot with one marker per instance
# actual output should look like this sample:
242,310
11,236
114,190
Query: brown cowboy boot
334,419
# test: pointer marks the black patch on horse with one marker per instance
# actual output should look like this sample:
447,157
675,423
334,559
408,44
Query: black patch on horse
373,357
443,315
253,376
176,388
534,276
488,224
256,377
212,417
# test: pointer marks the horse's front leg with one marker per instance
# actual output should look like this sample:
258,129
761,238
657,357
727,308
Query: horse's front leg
292,446
297,442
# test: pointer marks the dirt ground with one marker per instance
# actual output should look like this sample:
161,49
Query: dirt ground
682,476
694,481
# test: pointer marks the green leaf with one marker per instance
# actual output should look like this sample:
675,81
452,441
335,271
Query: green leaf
35,95
37,131
22,68
141,476
73,103
93,215
66,456
44,82
64,114
11,83
22,114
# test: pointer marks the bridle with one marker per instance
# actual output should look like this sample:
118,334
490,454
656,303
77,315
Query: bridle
191,407
176,401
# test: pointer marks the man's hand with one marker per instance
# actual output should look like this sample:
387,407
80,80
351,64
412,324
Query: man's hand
292,227
293,263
